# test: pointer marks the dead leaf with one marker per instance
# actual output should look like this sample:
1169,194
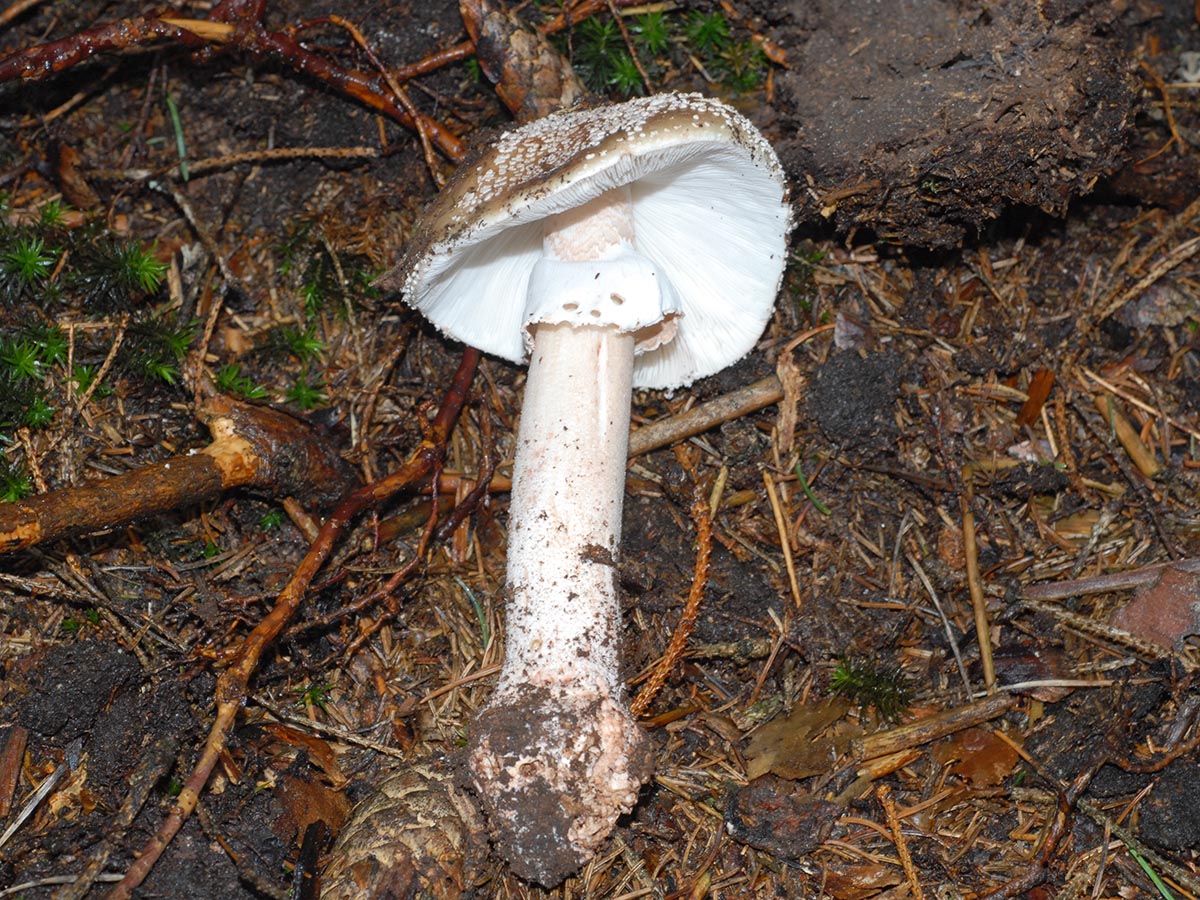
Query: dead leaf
1164,612
306,802
68,169
796,746
858,881
319,751
1039,664
978,756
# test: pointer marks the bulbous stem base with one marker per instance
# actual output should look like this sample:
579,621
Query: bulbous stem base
555,768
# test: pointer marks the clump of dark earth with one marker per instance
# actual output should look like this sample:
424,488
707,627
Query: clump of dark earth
853,397
1030,478
1170,816
771,815
71,686
923,130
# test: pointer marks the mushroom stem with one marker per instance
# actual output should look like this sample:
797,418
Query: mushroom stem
563,618
557,756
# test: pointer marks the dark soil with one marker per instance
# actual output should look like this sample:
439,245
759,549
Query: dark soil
921,121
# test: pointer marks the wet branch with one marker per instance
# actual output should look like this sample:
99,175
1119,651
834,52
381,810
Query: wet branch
252,446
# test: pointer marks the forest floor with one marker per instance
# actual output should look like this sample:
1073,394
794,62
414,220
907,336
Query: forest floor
984,420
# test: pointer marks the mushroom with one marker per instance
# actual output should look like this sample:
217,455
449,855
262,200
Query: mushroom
633,245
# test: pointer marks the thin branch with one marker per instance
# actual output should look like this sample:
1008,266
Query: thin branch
233,683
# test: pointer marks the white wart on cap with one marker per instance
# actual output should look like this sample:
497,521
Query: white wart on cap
710,215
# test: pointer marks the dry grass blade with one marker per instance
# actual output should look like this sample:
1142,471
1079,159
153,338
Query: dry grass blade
785,542
975,585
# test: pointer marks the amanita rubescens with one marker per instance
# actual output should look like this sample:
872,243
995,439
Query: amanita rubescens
635,245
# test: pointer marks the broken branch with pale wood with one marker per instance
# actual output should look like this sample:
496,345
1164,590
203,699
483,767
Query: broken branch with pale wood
252,446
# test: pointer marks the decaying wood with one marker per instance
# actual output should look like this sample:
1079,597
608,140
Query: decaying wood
984,106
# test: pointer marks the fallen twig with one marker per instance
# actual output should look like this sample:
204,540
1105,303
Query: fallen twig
922,731
1102,584
704,416
1176,255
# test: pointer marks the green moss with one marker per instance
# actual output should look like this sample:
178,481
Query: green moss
742,66
53,214
307,392
271,520
15,482
25,264
707,32
230,380
652,32
114,275
302,343
608,61
154,346
872,686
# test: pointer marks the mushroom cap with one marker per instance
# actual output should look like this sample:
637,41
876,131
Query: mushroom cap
710,212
